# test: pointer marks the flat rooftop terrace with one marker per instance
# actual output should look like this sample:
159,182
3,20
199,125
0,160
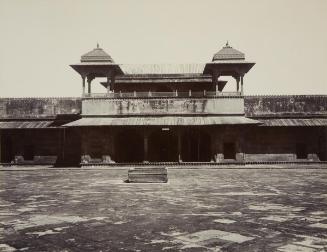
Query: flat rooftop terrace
197,210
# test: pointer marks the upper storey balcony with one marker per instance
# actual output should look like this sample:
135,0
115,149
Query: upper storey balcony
163,89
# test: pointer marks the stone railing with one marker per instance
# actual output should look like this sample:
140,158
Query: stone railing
162,94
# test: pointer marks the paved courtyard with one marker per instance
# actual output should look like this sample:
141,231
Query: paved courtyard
197,210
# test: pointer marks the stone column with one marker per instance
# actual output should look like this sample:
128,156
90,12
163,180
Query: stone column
198,147
179,146
112,83
0,147
108,84
83,85
216,145
146,147
113,144
63,145
239,155
89,86
242,76
237,78
215,80
89,81
108,145
85,158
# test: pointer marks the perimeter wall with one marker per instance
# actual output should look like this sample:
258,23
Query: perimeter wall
255,143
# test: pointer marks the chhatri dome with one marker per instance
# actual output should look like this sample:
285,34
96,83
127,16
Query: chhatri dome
97,55
228,53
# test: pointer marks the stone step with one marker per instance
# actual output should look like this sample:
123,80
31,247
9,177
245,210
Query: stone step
148,175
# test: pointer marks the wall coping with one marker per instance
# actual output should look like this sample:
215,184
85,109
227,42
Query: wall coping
289,95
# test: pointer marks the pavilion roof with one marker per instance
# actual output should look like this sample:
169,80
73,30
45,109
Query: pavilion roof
228,53
97,55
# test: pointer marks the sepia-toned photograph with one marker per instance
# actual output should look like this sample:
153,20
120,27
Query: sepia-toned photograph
161,125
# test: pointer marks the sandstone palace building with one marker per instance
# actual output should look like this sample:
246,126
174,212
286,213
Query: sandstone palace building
176,114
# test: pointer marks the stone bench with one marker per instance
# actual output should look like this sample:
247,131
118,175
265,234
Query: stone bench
148,175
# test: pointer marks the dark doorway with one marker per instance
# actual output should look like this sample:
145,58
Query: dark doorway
196,146
163,146
129,147
6,149
162,88
229,151
28,152
72,147
321,147
301,151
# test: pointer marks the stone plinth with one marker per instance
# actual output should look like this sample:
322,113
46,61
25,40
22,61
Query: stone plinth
148,175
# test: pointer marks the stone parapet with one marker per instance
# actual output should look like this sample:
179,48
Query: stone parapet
37,108
184,106
285,105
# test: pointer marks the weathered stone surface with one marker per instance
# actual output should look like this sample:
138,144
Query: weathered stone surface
94,210
17,108
279,143
222,105
285,105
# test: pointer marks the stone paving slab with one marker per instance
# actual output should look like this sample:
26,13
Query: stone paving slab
197,210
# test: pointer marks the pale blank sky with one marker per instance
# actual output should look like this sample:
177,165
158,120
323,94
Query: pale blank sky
40,38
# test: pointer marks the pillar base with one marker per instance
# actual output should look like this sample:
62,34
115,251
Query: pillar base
219,157
85,159
239,157
107,159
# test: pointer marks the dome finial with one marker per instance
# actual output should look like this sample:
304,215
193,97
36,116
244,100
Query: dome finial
227,44
97,44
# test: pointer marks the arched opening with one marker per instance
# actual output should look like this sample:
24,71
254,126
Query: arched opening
163,146
196,146
129,147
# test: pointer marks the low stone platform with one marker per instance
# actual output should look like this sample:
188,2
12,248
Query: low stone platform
148,175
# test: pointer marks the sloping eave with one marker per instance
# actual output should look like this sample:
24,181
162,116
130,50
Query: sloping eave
162,121
294,122
25,124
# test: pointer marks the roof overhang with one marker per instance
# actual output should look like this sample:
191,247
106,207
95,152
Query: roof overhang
162,121
293,122
228,67
25,124
100,69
